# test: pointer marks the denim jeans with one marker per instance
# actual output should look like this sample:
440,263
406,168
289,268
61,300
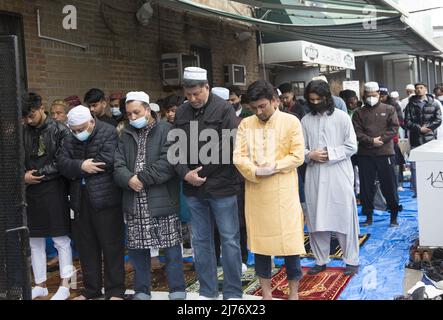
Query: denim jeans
141,260
224,213
263,267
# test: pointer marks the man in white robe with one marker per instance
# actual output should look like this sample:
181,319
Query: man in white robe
331,204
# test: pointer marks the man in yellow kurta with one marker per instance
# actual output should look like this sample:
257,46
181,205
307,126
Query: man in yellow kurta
269,147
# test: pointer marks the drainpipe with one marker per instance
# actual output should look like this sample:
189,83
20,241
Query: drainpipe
54,39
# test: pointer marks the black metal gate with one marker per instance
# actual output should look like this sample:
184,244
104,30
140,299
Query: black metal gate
14,240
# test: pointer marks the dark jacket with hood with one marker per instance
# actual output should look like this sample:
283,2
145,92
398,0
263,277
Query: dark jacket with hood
430,115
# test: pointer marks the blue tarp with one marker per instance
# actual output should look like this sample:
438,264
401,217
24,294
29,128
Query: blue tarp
383,257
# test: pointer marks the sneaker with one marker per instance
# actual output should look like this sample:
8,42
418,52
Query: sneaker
316,269
244,268
401,189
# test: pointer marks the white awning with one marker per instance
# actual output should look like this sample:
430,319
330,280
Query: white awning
303,51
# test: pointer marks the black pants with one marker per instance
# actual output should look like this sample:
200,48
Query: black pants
263,267
383,168
100,233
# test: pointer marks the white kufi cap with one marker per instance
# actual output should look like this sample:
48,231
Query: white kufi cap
137,96
394,94
194,73
154,107
78,116
372,87
221,92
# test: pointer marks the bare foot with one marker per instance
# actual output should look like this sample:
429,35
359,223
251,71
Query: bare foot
116,298
82,298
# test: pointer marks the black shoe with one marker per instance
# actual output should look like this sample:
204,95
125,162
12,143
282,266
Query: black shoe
316,269
350,270
394,222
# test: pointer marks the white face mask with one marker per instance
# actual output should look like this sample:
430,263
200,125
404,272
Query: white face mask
372,101
440,98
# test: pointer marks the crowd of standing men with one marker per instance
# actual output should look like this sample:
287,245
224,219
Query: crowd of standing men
109,183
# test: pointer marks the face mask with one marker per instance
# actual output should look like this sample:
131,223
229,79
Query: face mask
318,107
440,98
139,123
116,112
372,101
83,136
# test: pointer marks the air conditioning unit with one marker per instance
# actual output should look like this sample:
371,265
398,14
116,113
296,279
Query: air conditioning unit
235,75
173,65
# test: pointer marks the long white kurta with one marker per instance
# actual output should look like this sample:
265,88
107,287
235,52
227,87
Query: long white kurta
329,187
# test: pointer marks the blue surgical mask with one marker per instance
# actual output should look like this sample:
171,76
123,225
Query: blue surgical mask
116,112
83,136
139,123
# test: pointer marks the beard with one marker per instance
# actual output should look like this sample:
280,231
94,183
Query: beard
318,107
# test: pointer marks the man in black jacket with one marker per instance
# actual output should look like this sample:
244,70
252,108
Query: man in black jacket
210,187
96,101
46,195
422,119
87,160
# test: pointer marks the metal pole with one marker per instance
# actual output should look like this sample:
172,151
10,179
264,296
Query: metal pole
428,72
366,70
441,70
419,69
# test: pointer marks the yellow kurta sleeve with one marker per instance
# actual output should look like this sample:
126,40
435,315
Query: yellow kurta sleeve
242,156
296,156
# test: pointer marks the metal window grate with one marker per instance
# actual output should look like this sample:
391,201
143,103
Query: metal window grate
14,241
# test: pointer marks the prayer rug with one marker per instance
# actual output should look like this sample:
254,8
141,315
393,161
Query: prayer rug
326,285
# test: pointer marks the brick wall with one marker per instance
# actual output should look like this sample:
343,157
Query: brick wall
121,54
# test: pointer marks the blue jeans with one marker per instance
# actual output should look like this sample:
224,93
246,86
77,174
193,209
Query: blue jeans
141,260
223,212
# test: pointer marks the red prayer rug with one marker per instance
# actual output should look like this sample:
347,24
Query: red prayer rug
326,285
